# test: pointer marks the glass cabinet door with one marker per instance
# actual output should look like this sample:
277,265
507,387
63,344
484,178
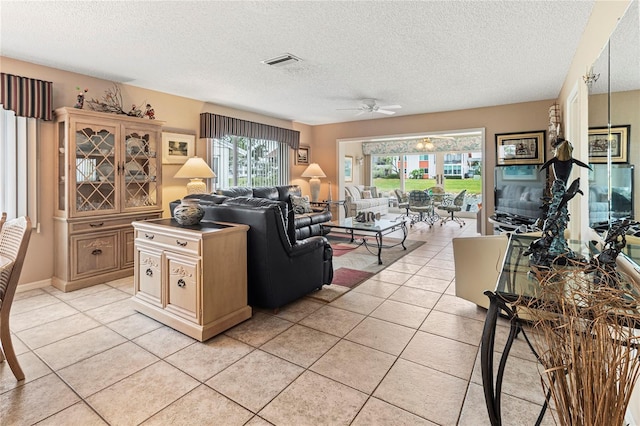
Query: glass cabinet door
140,169
94,169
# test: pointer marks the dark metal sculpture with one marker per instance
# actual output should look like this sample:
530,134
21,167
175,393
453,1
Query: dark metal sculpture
552,246
603,264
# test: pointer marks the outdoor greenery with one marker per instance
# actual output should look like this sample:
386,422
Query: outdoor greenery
473,186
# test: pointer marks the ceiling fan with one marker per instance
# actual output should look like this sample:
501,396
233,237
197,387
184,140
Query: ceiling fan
370,106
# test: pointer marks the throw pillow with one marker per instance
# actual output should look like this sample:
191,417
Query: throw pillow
525,197
366,194
300,204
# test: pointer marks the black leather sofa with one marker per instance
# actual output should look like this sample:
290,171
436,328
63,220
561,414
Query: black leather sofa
306,224
279,269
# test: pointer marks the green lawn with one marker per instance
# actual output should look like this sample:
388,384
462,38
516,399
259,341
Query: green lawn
473,186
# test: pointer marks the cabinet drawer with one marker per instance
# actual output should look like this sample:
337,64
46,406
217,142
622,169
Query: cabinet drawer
182,286
94,253
148,276
101,223
187,245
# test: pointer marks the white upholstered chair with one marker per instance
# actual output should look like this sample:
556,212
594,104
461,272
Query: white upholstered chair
478,263
14,239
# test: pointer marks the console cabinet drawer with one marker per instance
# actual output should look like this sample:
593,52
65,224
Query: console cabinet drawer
94,253
180,243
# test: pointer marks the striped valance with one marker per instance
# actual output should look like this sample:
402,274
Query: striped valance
218,126
27,97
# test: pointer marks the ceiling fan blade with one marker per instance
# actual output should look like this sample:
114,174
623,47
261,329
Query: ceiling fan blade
384,111
361,112
348,109
390,106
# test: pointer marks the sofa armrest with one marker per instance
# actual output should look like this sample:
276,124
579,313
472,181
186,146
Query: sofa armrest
308,245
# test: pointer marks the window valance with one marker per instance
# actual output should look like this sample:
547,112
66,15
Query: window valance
27,97
218,126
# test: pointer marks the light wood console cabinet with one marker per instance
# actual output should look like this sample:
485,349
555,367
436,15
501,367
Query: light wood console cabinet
191,278
108,174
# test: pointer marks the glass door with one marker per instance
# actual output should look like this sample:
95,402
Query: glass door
94,168
140,169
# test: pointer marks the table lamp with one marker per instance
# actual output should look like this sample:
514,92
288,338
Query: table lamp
314,172
195,169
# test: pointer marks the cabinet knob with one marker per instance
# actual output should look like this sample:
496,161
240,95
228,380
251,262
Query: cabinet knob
149,272
149,236
96,252
181,283
180,243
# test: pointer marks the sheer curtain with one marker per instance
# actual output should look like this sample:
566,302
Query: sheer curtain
18,166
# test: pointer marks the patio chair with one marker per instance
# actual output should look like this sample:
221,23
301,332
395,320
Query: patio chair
421,205
452,208
14,239
403,202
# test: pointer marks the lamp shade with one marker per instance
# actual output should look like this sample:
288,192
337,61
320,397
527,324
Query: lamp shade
195,169
313,171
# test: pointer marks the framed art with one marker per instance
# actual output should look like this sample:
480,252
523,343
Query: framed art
520,148
303,155
525,172
348,168
177,148
599,144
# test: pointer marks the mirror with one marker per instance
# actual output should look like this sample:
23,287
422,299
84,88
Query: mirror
614,99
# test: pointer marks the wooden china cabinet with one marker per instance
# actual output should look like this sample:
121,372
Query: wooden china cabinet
108,172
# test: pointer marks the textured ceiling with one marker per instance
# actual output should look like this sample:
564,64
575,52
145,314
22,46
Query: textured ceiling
426,56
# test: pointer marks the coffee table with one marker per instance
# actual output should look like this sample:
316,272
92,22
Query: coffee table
378,228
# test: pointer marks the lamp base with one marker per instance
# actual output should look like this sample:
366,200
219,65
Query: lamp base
196,186
314,185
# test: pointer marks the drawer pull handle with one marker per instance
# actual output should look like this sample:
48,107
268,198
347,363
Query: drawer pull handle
181,283
96,225
181,244
96,252
149,236
149,272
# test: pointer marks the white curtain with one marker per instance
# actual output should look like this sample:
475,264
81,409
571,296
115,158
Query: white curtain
18,166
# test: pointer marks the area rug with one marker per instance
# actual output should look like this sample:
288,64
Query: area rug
354,263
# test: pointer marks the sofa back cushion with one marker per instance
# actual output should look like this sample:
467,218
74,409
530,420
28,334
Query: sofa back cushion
268,192
285,191
207,199
236,191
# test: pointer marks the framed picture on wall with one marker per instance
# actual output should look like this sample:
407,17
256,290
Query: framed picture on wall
599,144
303,155
177,148
520,148
348,168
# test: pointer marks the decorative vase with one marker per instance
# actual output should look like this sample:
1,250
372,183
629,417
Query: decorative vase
188,212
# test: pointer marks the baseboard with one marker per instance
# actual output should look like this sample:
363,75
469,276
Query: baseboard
34,285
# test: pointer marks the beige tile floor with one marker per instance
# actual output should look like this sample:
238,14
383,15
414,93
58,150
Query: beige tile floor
400,349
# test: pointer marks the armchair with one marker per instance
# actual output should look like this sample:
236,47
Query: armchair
14,239
455,206
279,270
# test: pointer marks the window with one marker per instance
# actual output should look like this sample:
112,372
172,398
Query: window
18,165
241,161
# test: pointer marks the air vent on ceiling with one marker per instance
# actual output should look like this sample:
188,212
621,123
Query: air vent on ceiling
281,61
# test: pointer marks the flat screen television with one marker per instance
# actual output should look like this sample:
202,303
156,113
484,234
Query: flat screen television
518,191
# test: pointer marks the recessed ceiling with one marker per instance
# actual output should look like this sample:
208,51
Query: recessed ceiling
426,56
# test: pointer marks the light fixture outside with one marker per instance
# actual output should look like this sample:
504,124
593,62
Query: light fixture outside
314,172
195,169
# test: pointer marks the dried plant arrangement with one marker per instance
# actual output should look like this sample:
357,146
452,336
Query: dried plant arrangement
587,337
112,102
